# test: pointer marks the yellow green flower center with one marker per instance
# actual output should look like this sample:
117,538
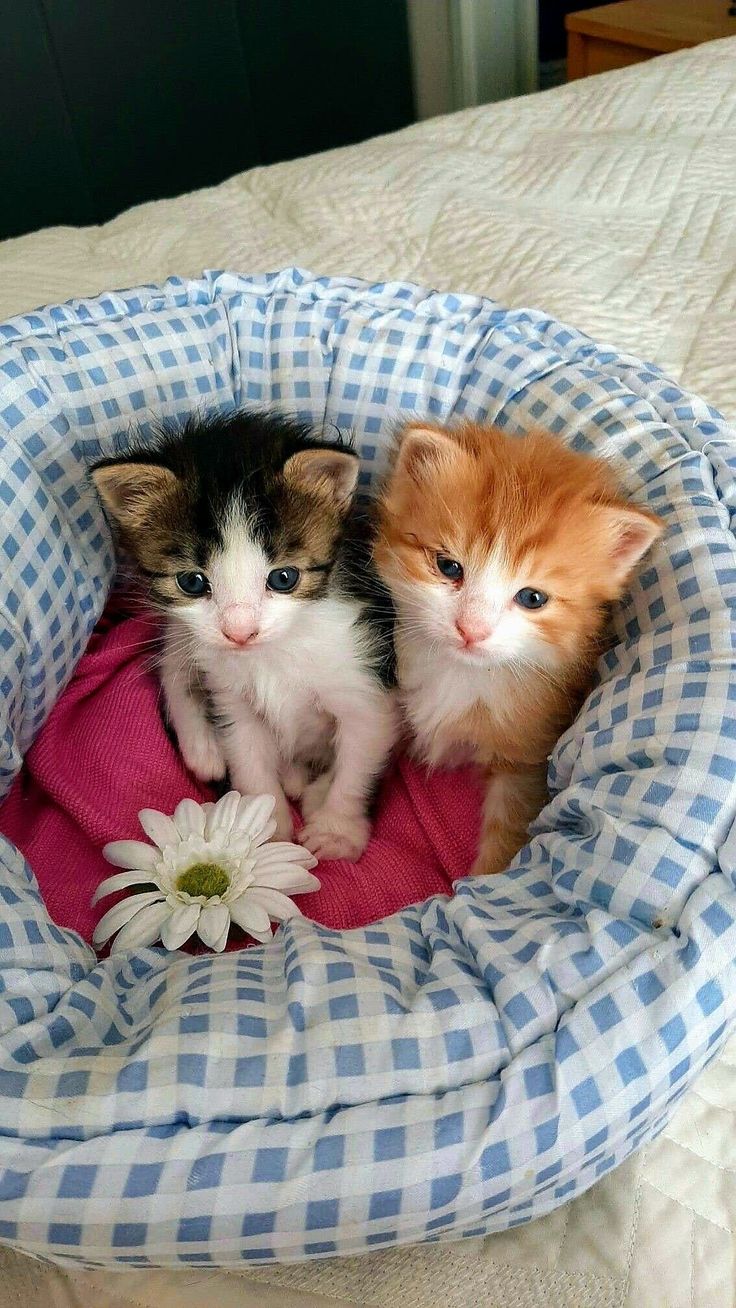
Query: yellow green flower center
206,879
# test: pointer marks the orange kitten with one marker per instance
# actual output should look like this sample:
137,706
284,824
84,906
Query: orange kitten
501,554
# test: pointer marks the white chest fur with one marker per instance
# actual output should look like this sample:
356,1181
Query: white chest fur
436,691
297,684
309,696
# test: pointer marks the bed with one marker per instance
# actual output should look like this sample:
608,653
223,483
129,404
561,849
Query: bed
623,227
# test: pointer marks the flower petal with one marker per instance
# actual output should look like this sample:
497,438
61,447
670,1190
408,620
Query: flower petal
221,816
117,916
254,816
213,920
282,851
142,930
189,818
120,881
292,880
158,827
279,907
252,917
180,925
131,853
219,944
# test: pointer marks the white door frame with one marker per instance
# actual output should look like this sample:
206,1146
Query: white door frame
468,52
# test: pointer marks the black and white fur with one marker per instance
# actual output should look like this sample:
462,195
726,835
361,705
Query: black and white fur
289,693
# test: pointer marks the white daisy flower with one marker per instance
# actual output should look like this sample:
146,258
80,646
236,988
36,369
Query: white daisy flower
209,865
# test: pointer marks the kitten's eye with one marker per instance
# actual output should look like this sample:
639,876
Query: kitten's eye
449,568
529,598
193,584
282,580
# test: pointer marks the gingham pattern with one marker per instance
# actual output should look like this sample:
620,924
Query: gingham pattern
465,1065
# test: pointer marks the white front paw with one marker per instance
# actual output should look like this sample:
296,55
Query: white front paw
330,834
284,821
315,794
202,754
295,779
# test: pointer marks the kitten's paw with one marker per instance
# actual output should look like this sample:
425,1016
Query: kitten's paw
315,794
283,818
335,835
284,821
203,756
295,780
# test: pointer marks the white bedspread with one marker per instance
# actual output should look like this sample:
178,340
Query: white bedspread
612,204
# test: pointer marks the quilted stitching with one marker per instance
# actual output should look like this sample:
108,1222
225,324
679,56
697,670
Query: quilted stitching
507,1047
610,201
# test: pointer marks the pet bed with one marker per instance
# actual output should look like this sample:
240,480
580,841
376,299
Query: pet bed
468,1063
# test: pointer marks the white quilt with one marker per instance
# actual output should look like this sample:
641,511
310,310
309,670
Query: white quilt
612,204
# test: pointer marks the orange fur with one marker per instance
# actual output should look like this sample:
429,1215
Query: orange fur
514,513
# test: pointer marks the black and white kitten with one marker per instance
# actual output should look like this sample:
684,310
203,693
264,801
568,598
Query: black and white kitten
277,662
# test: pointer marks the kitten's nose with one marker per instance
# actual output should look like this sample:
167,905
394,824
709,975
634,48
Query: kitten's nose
472,631
238,625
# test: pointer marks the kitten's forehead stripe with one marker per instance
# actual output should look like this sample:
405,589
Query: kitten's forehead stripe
237,568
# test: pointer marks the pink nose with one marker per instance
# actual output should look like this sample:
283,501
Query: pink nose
238,626
472,631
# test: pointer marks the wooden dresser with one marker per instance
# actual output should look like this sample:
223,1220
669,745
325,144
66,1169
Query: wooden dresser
616,35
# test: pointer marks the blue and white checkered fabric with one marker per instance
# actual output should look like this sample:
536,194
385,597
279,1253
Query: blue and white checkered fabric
467,1064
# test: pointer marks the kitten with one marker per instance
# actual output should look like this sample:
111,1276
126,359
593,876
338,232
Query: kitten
502,555
277,656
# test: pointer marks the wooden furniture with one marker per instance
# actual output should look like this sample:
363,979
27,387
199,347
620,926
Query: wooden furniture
617,35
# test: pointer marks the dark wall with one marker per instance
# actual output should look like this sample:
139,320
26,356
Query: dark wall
552,14
105,103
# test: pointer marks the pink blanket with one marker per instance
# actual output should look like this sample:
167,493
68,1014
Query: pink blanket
104,754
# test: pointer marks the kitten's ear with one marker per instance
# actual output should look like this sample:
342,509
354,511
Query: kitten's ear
631,533
422,451
330,474
128,490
